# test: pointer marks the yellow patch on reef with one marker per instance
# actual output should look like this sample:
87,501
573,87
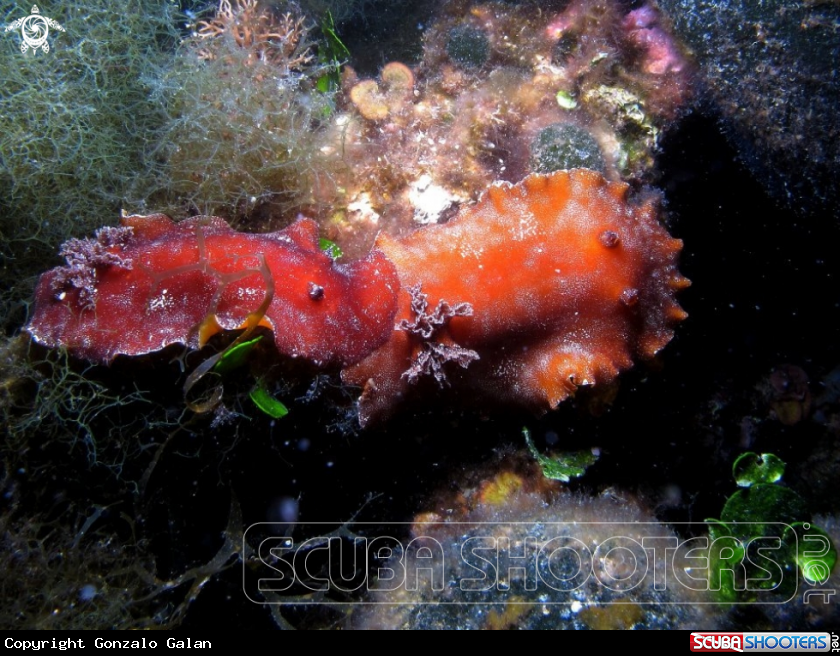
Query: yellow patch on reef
617,617
498,490
514,612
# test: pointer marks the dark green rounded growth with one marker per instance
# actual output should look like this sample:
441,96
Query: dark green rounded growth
468,46
564,146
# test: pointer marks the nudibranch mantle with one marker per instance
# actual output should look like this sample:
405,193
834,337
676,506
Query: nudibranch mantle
180,282
567,283
536,289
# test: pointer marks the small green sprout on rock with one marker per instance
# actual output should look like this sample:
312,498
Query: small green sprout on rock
566,100
235,357
267,403
564,466
330,248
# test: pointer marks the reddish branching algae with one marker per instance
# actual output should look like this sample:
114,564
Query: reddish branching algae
424,326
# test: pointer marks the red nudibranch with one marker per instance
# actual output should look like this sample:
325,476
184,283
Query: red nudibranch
538,288
153,282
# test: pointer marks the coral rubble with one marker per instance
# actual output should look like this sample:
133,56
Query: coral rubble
494,77
508,549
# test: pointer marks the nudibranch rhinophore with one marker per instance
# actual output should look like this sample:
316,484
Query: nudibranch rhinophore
536,289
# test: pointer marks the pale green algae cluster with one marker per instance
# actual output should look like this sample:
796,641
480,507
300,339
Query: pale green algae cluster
76,124
243,116
136,109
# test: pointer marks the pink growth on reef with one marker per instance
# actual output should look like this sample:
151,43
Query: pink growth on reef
570,19
661,53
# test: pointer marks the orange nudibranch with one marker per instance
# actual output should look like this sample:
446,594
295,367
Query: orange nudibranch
565,282
538,288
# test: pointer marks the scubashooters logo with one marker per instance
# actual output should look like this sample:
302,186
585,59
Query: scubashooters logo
34,30
763,642
474,562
